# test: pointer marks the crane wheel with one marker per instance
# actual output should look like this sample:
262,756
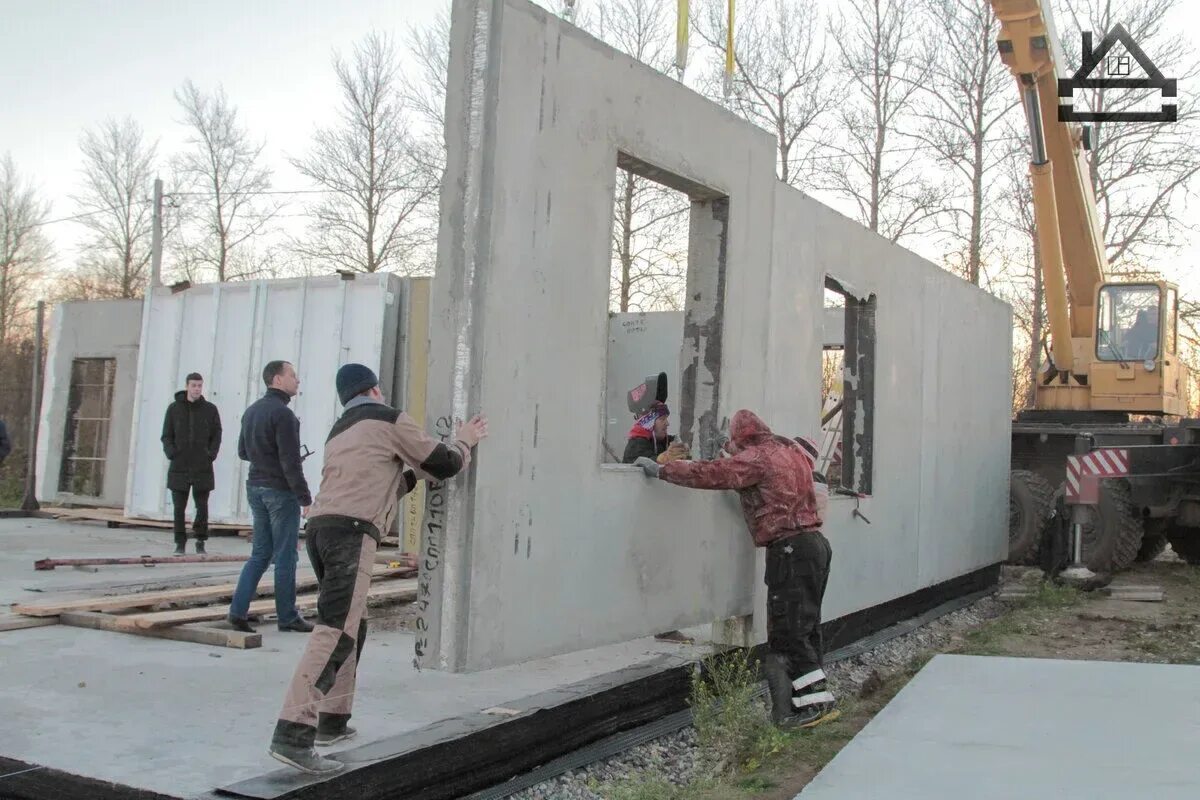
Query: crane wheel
1030,504
1112,530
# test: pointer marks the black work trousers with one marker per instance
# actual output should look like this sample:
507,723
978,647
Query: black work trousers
797,571
199,523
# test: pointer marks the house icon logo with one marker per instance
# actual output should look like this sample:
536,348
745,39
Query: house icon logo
1098,71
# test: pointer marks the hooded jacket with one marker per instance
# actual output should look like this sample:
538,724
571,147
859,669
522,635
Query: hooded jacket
771,474
191,439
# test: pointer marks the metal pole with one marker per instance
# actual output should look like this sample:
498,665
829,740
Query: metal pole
29,502
156,237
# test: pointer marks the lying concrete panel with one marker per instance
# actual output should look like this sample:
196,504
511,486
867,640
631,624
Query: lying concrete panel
541,548
998,728
105,329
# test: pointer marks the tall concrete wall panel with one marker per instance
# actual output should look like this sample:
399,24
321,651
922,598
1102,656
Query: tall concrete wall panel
541,548
942,403
98,329
227,332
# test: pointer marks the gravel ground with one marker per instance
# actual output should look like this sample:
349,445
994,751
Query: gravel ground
677,758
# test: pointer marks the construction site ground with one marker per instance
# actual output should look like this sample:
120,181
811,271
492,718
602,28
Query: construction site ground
1048,622
182,718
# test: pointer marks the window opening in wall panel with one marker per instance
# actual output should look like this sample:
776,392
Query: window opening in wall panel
665,307
848,389
89,413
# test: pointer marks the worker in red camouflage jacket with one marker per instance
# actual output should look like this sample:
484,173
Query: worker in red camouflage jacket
773,477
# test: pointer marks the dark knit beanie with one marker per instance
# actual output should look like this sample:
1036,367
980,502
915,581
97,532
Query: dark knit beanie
353,380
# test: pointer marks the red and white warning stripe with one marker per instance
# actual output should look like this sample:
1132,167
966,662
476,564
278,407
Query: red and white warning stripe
1084,473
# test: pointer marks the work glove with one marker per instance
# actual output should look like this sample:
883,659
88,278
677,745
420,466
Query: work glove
675,452
648,466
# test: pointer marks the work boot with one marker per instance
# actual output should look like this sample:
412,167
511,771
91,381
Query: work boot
240,624
298,625
200,547
779,685
814,707
179,548
331,737
304,759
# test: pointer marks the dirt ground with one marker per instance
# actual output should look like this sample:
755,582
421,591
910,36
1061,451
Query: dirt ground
1051,622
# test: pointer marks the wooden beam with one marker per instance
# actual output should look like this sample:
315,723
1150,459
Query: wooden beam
21,623
116,517
200,635
196,594
395,590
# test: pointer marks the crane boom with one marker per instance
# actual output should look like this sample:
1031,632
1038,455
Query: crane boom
1069,235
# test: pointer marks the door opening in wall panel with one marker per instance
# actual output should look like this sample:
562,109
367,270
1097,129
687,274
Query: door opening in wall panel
89,411
665,304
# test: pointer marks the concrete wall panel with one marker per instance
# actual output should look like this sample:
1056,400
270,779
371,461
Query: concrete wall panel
541,549
228,332
100,329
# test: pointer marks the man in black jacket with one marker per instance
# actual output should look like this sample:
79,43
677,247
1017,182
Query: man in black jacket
278,494
191,439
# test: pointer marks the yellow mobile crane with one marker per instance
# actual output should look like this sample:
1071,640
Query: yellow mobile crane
1113,352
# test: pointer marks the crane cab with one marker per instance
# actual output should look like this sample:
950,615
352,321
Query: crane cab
1135,365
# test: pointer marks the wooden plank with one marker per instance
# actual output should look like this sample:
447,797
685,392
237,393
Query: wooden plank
396,590
200,635
115,516
197,594
20,623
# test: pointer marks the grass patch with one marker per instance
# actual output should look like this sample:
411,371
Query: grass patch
733,727
1053,596
989,640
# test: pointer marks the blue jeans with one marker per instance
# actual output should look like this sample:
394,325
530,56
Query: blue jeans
276,531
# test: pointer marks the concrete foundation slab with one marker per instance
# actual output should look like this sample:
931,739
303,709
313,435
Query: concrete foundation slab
181,719
1006,727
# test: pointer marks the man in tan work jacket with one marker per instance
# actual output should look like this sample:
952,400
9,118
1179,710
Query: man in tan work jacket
362,480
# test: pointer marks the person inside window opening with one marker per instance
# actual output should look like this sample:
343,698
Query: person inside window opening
649,438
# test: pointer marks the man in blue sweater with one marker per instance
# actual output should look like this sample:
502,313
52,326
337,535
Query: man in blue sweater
277,491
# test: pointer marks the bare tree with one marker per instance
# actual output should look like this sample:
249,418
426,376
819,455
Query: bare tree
1140,170
370,219
24,249
967,94
425,91
650,243
883,67
115,196
782,82
222,180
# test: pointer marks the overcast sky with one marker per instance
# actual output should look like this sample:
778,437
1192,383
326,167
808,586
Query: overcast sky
67,64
